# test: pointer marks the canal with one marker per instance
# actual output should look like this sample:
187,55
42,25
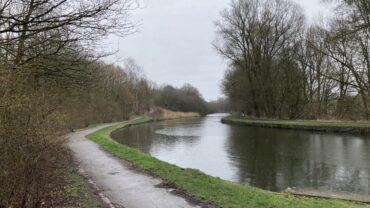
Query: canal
271,159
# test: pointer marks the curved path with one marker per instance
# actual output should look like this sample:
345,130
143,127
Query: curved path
119,185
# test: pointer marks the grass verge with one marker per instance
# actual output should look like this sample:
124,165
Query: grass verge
360,127
79,193
220,192
66,187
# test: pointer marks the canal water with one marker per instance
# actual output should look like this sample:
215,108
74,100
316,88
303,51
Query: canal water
271,159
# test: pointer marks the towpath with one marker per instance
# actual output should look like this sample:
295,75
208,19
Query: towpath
119,184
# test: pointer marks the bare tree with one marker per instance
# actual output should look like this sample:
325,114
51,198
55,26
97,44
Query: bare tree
320,72
35,28
46,49
256,36
349,47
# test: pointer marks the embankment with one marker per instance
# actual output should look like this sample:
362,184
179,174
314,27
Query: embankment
360,127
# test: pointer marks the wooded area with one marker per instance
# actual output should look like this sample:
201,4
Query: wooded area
48,71
52,80
282,67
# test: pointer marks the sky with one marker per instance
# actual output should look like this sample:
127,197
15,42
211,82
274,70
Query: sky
173,42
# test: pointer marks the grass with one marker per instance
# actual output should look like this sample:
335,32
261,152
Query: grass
319,125
307,122
221,192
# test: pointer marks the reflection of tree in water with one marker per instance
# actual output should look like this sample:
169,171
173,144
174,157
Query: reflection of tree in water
171,133
145,138
276,159
136,136
256,157
169,141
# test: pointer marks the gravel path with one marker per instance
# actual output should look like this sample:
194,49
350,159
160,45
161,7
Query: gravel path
120,185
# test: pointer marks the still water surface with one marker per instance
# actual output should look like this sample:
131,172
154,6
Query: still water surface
272,159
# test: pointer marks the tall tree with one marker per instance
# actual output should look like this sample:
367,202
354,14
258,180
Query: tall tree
261,38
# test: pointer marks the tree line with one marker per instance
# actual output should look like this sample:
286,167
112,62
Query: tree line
282,67
185,99
48,76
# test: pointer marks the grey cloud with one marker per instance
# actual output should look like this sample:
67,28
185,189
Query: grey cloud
174,42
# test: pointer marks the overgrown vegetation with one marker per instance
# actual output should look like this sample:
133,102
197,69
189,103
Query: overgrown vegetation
281,67
222,193
52,80
47,71
159,114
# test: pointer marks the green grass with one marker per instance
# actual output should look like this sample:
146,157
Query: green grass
221,192
333,123
362,127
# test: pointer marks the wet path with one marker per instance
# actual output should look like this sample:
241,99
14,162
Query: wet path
122,185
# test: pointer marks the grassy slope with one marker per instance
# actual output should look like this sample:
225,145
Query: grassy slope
221,192
333,123
362,127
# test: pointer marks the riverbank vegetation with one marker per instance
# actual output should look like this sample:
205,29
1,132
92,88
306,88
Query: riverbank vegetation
159,114
282,67
53,80
47,63
210,189
184,99
354,127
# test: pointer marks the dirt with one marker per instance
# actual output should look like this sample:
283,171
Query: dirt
189,197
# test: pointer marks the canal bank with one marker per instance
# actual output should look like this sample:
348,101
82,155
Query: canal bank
195,183
353,127
117,181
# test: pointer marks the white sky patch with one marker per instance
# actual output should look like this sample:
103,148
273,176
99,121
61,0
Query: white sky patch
174,42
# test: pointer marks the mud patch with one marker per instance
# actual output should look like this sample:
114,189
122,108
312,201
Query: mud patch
172,188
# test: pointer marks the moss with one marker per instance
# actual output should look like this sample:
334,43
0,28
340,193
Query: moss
221,192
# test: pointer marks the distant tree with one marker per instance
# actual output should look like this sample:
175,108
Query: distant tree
221,105
186,99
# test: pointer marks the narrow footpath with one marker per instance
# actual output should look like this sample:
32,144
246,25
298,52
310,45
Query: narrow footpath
119,184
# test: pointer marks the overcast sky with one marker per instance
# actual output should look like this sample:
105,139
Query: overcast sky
174,42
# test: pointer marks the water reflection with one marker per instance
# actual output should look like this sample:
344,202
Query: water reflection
154,137
277,159
271,159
